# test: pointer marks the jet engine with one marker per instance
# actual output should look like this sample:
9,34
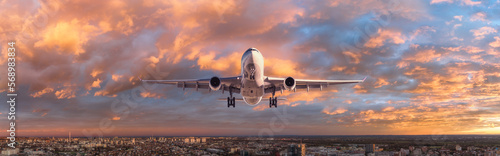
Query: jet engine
215,83
289,83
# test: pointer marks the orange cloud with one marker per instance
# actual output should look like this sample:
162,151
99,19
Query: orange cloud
495,43
381,82
382,36
96,72
215,14
308,97
41,112
65,93
388,109
116,118
96,84
360,89
472,49
42,92
116,77
338,68
335,112
481,32
452,48
230,64
422,56
353,57
75,35
295,98
151,95
413,119
282,67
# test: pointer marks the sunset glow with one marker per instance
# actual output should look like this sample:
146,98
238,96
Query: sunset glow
428,71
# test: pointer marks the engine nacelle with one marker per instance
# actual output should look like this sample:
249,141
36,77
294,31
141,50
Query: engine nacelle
215,83
289,83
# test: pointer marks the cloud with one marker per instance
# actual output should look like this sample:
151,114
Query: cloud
385,36
495,43
230,64
388,109
42,92
78,60
115,118
423,56
479,16
441,1
280,67
75,35
470,2
116,77
482,32
66,93
335,112
96,84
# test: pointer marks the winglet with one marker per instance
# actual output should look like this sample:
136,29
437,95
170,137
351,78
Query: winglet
364,79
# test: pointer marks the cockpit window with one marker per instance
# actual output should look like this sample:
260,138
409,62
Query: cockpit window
250,69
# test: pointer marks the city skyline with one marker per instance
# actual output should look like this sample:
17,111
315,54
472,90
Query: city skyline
432,67
340,145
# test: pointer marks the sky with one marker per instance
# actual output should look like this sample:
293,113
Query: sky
432,67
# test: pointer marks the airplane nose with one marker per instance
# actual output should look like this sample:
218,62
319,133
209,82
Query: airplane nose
253,50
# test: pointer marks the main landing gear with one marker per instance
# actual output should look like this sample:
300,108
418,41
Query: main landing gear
231,101
273,101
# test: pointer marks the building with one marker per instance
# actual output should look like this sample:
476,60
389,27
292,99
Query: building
303,149
10,151
293,150
369,148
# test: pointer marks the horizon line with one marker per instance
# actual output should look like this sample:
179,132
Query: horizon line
144,136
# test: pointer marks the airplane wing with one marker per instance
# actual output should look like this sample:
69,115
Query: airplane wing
226,83
241,99
304,83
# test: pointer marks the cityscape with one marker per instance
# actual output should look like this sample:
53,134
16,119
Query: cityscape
250,77
387,145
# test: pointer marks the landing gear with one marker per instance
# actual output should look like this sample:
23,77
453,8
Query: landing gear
273,101
231,101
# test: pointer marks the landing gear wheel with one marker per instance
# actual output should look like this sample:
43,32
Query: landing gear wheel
273,101
234,102
270,102
228,102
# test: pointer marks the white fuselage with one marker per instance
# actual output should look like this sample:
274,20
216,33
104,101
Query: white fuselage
252,73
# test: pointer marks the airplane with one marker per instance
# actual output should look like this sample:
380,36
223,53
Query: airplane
252,84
